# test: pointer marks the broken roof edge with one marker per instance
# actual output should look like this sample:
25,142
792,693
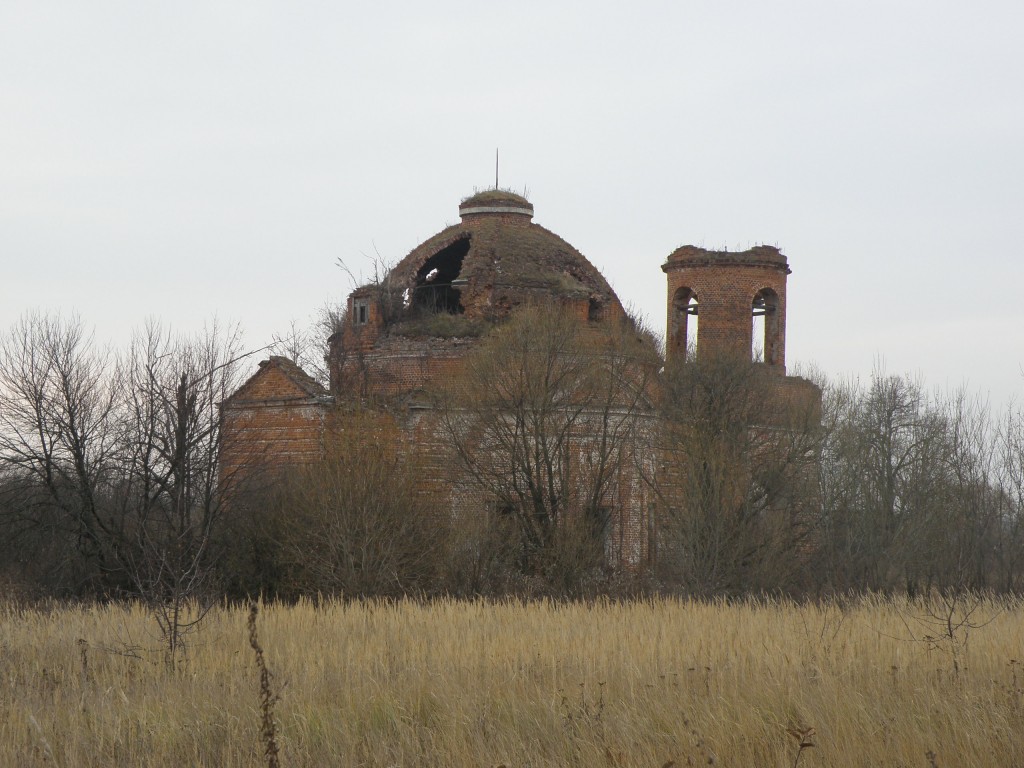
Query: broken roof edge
403,273
757,256
294,371
306,386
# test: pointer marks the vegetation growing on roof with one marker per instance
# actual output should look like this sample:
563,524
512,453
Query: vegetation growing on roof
440,325
558,283
501,194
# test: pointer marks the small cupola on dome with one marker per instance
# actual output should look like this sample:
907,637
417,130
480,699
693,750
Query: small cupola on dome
495,202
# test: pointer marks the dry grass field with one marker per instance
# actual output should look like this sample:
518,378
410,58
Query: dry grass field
539,684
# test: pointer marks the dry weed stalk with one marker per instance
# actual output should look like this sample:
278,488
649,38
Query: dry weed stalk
804,736
47,749
268,731
83,649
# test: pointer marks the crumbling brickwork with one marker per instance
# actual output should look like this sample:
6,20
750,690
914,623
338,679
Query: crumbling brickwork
475,273
277,418
413,330
723,289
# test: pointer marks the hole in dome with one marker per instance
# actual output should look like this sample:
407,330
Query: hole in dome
436,287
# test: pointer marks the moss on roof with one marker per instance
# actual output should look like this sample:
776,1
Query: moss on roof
440,325
496,197
759,254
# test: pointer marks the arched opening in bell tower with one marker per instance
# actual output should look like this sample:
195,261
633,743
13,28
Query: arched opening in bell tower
685,321
764,335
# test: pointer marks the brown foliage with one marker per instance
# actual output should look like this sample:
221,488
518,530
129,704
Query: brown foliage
544,422
737,478
359,522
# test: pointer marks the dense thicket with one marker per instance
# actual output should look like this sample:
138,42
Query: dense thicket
110,484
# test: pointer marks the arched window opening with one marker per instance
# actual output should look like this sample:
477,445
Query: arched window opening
764,336
437,281
683,333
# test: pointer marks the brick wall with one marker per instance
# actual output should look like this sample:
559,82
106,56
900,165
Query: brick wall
397,366
276,419
725,284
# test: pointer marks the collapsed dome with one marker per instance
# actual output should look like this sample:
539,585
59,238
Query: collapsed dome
496,259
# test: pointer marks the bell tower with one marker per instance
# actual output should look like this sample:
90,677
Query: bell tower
728,303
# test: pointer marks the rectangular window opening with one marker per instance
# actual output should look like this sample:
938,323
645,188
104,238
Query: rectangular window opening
361,311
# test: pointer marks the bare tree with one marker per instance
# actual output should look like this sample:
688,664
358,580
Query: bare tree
1009,500
736,482
914,489
172,492
877,463
359,523
543,420
58,435
305,344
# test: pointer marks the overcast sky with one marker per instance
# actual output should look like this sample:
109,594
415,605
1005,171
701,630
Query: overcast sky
180,160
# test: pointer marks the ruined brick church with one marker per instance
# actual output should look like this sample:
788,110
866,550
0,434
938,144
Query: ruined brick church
415,326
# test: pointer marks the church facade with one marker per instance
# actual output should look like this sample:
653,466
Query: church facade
418,327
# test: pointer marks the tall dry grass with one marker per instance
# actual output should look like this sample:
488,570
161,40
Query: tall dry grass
539,684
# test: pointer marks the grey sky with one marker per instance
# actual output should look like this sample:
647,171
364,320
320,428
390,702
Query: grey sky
183,159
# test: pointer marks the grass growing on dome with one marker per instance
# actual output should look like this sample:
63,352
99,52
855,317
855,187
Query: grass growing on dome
441,325
495,195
